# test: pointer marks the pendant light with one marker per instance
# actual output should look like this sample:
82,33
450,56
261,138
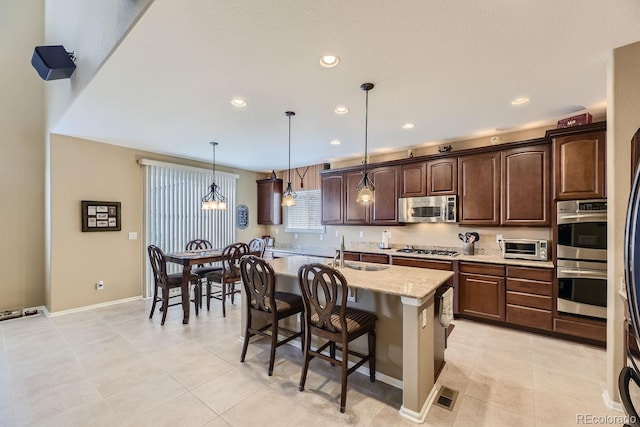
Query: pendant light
214,199
289,196
365,186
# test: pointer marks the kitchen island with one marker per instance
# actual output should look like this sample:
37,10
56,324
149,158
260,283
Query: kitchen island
403,299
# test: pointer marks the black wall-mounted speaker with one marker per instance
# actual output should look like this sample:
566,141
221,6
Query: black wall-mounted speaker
52,62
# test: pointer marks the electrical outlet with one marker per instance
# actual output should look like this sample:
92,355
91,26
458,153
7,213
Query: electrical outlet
352,294
337,233
321,237
295,236
276,231
99,285
498,238
361,233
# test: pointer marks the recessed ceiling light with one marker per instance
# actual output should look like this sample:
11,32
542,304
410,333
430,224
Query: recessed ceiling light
238,102
335,142
520,101
341,109
408,126
329,61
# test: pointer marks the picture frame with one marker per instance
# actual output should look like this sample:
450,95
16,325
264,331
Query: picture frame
100,216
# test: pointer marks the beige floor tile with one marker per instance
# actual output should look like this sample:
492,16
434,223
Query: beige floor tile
73,318
119,377
183,411
195,371
512,394
263,408
563,409
217,422
95,414
86,332
576,363
441,417
227,390
145,396
477,413
567,382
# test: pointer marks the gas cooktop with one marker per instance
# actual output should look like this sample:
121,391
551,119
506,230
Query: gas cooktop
428,252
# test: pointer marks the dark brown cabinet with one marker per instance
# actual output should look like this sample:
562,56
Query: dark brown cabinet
384,209
354,213
269,200
332,195
414,180
374,258
579,166
482,290
529,293
442,177
479,189
525,197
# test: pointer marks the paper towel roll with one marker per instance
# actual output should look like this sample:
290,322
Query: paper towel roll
385,240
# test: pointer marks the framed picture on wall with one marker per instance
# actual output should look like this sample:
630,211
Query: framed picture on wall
100,216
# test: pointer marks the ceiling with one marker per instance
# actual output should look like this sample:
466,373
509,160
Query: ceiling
451,67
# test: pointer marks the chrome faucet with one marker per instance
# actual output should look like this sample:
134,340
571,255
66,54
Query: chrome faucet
342,252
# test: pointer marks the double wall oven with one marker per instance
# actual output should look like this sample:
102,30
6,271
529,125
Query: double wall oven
582,258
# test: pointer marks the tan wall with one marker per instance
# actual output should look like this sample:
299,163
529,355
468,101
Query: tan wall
87,170
623,120
22,161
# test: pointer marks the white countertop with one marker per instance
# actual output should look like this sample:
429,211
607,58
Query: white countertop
329,252
394,280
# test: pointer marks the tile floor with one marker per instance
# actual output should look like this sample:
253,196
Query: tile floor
114,367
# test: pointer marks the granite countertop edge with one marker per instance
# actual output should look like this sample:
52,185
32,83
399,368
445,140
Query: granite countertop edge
328,252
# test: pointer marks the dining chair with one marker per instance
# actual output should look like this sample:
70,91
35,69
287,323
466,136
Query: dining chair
166,282
267,306
256,247
202,270
228,276
324,294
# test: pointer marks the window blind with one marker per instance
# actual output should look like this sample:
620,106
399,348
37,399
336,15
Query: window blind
173,210
306,215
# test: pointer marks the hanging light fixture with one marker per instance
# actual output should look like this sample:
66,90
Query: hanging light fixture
365,186
214,199
289,196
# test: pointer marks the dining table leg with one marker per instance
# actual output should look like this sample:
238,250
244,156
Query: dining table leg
184,290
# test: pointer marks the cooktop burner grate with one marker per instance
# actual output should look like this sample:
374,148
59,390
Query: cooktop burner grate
428,252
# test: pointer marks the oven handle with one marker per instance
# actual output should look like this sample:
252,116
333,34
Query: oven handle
569,219
587,274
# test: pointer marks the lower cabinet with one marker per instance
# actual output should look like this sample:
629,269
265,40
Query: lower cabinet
529,300
482,290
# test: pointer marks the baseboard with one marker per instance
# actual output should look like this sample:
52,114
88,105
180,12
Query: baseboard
420,417
91,307
610,403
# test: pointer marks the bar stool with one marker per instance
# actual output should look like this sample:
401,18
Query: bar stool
228,276
202,270
323,288
264,303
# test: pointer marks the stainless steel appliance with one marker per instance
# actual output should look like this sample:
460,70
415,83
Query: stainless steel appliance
537,250
428,209
582,230
582,288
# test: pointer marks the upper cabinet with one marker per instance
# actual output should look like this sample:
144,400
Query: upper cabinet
479,189
442,177
354,213
269,200
332,195
579,166
414,179
384,209
525,186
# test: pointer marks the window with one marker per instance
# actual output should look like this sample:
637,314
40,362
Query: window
306,215
173,213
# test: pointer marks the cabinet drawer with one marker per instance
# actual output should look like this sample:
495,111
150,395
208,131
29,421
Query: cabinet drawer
377,258
422,263
528,300
488,269
541,274
585,330
529,286
351,256
526,316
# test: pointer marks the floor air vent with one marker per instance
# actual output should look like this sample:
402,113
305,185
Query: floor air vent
10,314
446,398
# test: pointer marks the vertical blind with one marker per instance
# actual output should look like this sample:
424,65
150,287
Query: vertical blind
173,213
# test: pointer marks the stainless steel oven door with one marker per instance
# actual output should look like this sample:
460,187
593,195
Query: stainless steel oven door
582,288
582,236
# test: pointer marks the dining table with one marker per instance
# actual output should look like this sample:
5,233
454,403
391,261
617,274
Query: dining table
188,259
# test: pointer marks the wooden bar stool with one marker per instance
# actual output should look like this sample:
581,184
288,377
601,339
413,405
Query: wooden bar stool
228,276
324,293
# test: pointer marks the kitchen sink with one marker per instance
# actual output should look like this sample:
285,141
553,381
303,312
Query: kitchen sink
366,267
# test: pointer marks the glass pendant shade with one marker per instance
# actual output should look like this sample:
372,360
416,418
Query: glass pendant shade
365,187
289,196
214,200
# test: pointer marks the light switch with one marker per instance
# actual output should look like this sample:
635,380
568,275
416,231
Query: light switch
133,235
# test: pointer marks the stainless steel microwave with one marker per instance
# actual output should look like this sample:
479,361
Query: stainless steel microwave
537,250
428,209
